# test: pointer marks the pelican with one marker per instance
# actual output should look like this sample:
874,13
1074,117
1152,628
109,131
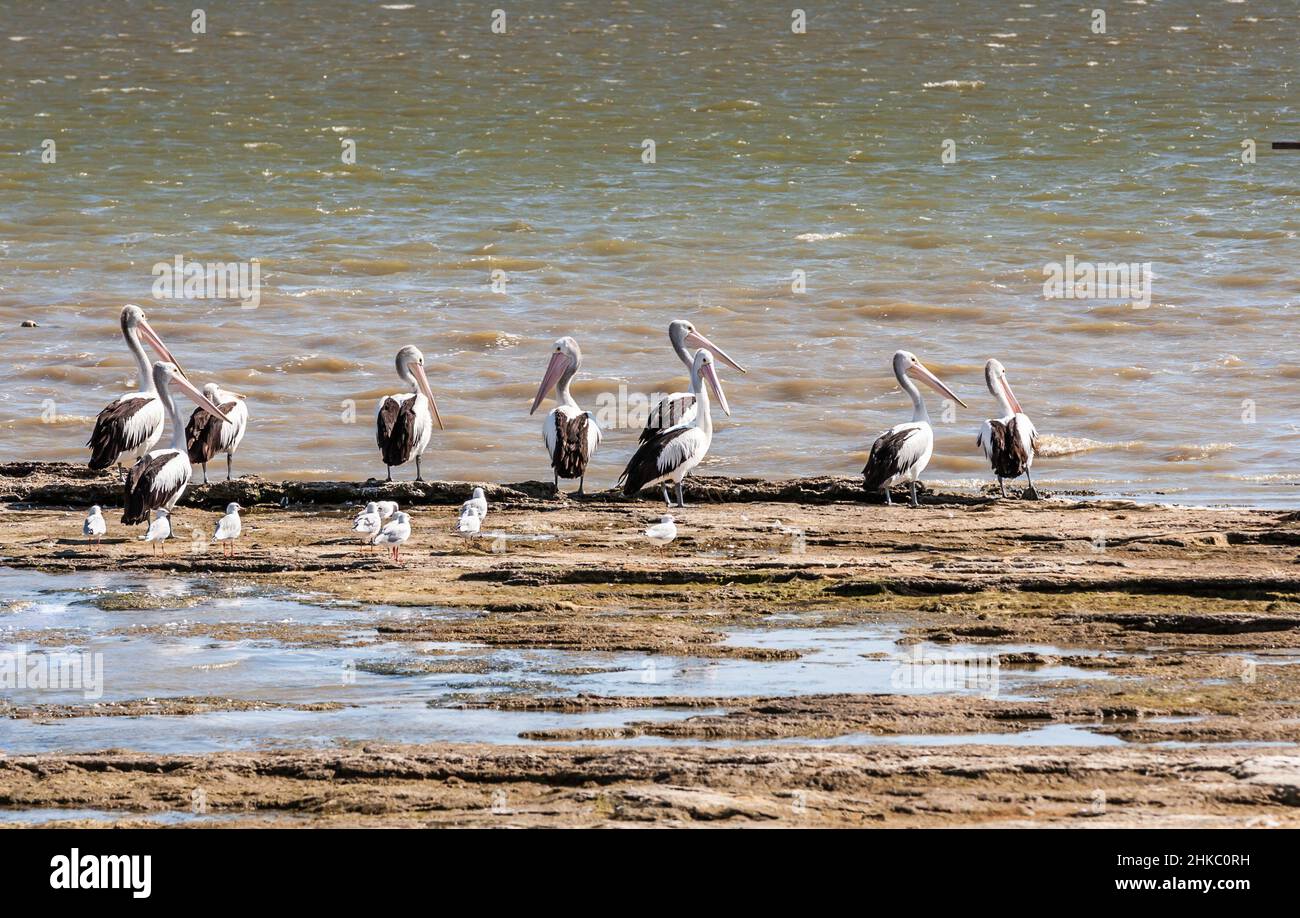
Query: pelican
571,435
902,452
94,526
205,436
662,532
679,407
132,424
1007,441
405,423
394,533
229,528
672,453
160,530
161,476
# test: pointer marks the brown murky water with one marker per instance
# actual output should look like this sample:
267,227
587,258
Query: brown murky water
775,152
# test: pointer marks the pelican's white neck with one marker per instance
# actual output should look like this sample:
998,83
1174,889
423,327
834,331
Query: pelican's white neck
679,346
703,417
169,405
918,404
143,369
562,394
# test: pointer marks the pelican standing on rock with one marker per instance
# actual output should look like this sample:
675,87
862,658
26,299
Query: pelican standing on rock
405,421
229,528
1007,441
161,476
206,437
902,452
679,407
671,454
571,435
94,526
132,424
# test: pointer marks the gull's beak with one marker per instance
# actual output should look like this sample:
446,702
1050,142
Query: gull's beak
554,370
711,377
920,372
423,382
1011,396
199,398
151,336
695,339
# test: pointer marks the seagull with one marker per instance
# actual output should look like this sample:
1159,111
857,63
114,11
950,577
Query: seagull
394,533
368,521
229,527
477,504
386,508
662,532
469,523
160,529
94,527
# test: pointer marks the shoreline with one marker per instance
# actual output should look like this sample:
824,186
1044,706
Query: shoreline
63,484
1157,611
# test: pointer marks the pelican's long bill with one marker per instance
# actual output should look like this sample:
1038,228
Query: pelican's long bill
711,377
151,336
199,398
423,382
554,370
695,339
1011,396
920,372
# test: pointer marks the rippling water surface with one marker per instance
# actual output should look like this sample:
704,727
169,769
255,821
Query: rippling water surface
775,152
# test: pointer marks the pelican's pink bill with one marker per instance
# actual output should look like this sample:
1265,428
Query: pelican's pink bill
151,336
1011,396
920,372
423,382
554,370
711,377
695,339
199,398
